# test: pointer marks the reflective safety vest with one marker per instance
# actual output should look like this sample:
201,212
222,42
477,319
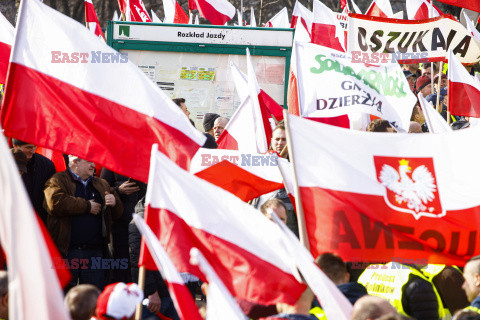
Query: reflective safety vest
387,281
470,308
431,271
319,313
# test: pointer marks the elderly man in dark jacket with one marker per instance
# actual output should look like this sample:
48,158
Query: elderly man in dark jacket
80,209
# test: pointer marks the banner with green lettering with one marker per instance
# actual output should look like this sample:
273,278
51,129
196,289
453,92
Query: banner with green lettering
331,84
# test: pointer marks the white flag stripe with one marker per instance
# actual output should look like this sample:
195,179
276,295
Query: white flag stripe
458,73
471,27
359,176
7,34
155,18
435,122
287,175
254,89
220,304
279,20
240,80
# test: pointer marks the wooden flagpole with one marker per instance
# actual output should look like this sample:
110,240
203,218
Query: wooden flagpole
302,229
260,17
449,116
439,82
141,284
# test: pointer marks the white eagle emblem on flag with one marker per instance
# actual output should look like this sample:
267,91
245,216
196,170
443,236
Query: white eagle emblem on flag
414,191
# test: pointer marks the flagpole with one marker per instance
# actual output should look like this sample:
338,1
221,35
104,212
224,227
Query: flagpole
439,82
449,117
302,230
260,17
241,11
141,284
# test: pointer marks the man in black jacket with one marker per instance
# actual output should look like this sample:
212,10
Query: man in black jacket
39,170
130,193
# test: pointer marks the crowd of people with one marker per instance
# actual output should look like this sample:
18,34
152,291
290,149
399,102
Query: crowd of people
420,79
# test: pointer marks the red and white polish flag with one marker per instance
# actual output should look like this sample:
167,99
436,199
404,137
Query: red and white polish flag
301,35
249,129
92,20
88,109
221,305
7,36
137,12
242,246
380,8
34,290
326,30
463,90
218,12
280,20
383,196
245,131
270,108
245,175
302,15
421,10
181,296
174,12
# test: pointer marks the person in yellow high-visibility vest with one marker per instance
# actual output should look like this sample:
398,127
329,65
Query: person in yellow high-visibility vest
448,282
407,289
335,269
471,273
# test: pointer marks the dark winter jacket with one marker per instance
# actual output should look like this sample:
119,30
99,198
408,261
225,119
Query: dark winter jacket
39,170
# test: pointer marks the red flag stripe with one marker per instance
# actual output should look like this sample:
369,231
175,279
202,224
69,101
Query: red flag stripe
245,185
180,15
467,4
183,299
464,100
324,35
230,261
5,50
35,98
343,222
227,141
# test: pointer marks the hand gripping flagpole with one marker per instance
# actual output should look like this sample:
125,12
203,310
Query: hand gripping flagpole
302,230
